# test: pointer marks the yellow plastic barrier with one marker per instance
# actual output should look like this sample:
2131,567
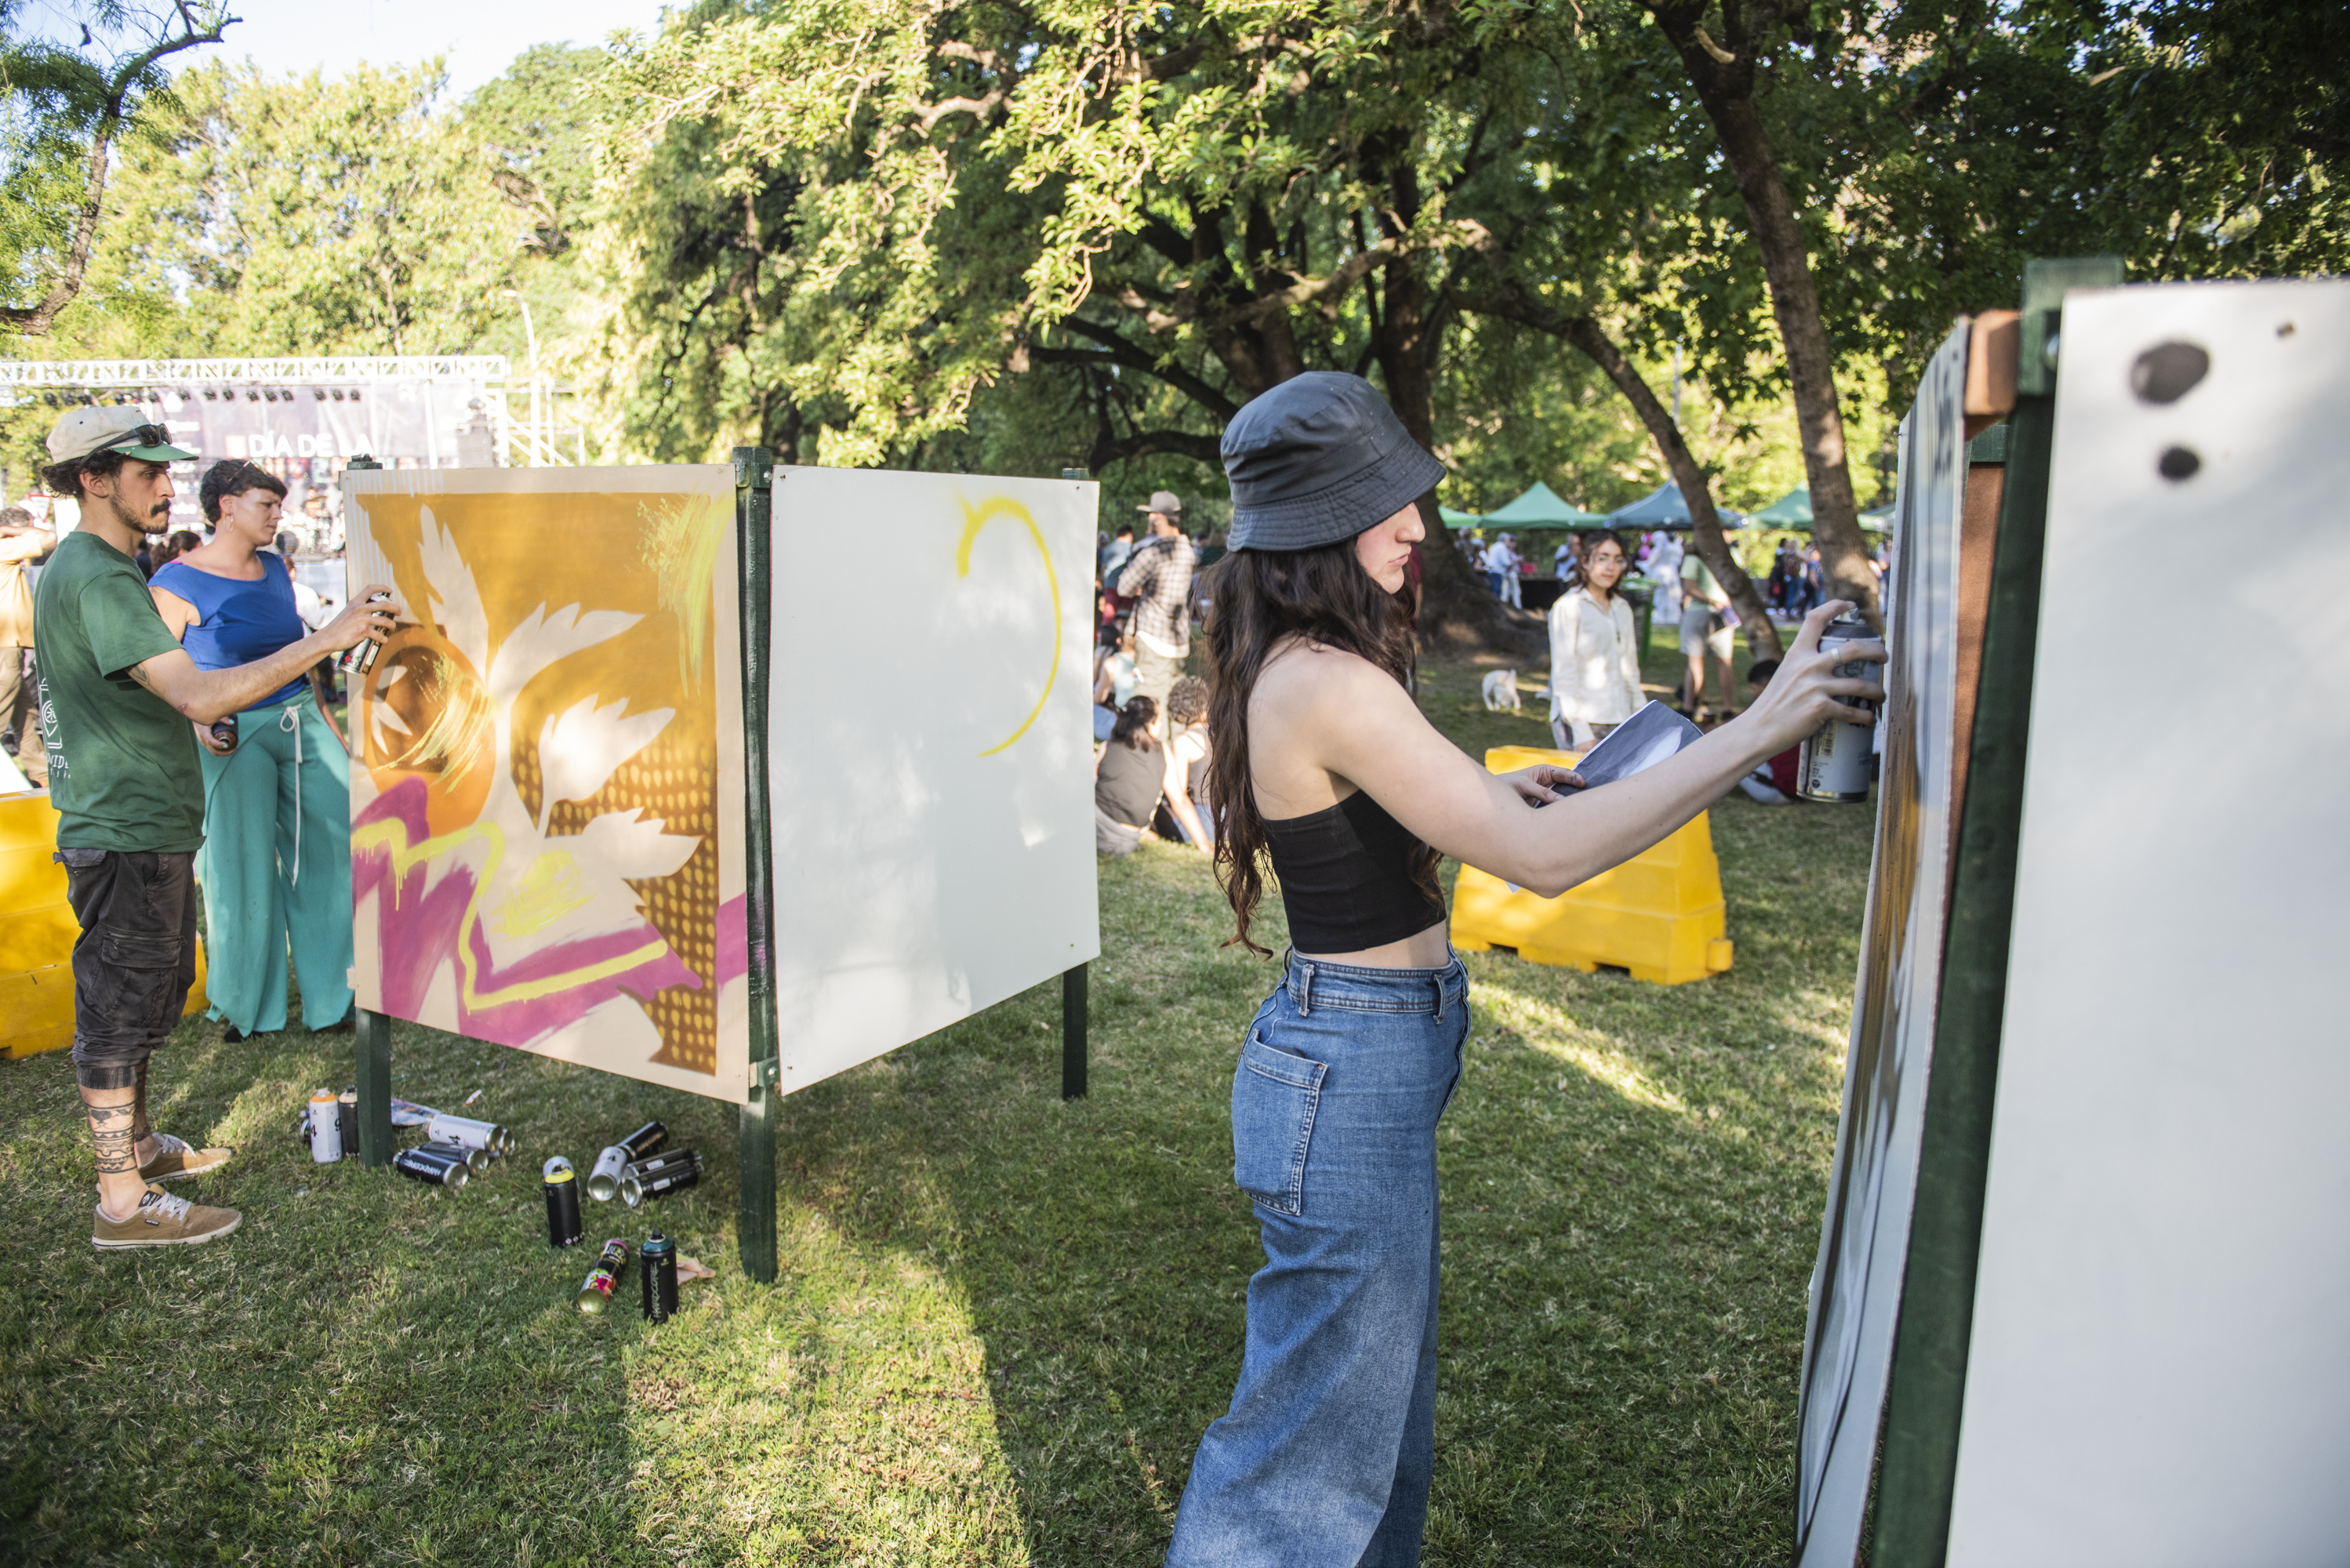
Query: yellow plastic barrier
37,932
1659,915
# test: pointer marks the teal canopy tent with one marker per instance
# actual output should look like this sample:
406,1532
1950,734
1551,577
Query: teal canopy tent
1540,507
1663,508
1790,514
1459,519
1880,520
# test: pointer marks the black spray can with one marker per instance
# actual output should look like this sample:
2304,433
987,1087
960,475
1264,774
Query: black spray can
442,1166
562,1203
643,1141
595,1294
657,1261
224,733
672,1170
1832,764
346,1116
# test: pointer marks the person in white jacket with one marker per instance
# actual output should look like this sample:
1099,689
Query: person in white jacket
1595,657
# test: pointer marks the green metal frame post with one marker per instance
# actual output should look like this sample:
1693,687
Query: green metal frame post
1927,1390
373,1032
1073,1033
755,471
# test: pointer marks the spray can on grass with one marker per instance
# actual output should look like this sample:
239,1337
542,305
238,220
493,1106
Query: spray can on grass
440,1166
325,1128
596,1294
656,1263
562,1203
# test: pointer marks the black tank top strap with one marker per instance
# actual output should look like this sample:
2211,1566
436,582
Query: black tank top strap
1345,877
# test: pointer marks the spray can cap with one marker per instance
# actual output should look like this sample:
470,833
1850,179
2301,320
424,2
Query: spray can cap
556,1170
657,1243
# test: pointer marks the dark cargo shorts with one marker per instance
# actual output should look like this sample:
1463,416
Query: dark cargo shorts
135,959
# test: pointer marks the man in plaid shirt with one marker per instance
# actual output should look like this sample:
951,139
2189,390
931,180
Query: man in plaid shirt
1159,578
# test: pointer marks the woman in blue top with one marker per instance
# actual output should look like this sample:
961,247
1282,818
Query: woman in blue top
276,866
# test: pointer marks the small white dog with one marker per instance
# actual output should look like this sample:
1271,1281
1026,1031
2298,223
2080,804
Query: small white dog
1501,690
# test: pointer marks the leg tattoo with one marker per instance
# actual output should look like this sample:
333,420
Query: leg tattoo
110,1129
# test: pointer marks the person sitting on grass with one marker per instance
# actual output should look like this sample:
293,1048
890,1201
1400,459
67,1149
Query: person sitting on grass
1326,773
118,693
1127,777
1773,783
1184,807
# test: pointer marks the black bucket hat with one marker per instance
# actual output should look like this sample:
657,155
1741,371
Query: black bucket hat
1319,459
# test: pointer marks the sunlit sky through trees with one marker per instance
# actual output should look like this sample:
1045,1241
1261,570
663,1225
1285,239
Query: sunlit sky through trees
478,40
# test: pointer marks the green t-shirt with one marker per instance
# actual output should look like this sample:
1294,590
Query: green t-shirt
124,773
1700,576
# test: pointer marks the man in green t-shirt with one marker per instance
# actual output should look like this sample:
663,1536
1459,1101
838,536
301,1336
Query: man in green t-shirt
1705,633
118,696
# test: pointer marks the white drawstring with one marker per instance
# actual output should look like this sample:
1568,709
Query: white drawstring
290,717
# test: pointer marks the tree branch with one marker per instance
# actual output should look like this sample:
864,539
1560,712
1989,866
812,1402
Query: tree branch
34,321
1128,353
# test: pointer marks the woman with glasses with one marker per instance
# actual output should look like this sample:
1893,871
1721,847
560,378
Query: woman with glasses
276,866
1595,656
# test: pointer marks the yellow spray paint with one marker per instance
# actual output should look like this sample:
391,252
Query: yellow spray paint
682,535
973,519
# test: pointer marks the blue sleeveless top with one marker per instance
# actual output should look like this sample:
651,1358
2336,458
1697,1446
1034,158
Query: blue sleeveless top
239,623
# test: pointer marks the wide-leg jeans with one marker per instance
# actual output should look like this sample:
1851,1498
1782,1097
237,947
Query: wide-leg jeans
1326,1456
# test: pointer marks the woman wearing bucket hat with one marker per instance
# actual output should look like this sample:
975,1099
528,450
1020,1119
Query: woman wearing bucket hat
1324,767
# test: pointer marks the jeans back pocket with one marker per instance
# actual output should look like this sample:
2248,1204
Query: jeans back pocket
1274,1098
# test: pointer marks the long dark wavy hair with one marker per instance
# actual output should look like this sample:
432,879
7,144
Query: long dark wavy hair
1321,596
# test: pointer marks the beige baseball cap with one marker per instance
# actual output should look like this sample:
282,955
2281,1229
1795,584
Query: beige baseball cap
85,431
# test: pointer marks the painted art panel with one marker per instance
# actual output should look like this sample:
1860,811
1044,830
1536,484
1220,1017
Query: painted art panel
2158,1374
931,736
546,802
1855,1293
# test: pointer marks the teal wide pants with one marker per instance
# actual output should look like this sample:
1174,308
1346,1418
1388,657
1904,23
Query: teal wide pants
277,869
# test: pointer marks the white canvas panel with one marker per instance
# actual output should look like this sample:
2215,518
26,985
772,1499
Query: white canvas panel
931,737
2160,1368
1855,1294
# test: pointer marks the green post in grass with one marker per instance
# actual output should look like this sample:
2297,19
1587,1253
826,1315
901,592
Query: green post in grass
1073,1033
374,1035
374,1087
754,472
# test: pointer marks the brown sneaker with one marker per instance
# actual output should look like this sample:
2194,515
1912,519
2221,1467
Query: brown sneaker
163,1221
174,1157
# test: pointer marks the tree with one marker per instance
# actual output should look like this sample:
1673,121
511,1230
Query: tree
67,115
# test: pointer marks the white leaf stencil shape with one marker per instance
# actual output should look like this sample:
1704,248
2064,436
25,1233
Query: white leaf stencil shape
579,748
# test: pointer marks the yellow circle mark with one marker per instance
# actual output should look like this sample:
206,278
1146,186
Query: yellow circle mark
973,519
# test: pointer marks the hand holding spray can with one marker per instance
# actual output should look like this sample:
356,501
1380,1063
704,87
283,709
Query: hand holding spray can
359,658
1833,765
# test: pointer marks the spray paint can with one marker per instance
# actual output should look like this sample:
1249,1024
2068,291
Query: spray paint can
672,1170
325,1128
442,1166
595,1294
359,658
612,1178
644,1141
1832,764
478,1160
346,1113
562,1203
224,733
657,1262
488,1137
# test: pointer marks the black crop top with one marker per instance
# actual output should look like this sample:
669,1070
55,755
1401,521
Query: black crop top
1345,877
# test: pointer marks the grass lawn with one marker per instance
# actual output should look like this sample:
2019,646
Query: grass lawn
1003,1321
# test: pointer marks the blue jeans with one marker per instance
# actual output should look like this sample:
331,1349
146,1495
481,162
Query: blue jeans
1326,1455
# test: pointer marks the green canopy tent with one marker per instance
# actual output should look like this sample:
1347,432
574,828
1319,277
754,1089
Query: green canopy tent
1452,519
1878,520
1540,507
1663,508
1790,514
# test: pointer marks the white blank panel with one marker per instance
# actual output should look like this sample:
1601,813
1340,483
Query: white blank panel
2160,1366
924,869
